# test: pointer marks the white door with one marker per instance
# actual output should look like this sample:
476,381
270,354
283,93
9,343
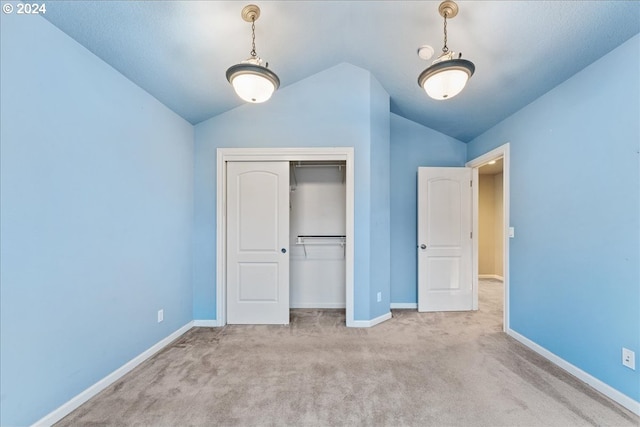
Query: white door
257,242
444,239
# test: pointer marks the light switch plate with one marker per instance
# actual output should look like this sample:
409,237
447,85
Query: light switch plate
512,232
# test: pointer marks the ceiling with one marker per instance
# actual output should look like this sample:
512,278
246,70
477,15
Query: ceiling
492,168
178,51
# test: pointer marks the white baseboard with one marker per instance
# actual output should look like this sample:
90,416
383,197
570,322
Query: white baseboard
369,323
318,305
607,390
207,323
64,410
490,276
405,305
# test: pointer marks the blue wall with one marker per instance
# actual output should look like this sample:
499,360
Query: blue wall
97,210
412,145
575,201
330,109
380,199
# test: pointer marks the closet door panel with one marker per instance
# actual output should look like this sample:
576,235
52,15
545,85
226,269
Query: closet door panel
257,242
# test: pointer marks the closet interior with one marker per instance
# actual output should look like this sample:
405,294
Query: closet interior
317,228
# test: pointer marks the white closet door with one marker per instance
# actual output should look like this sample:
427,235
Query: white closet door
257,242
444,239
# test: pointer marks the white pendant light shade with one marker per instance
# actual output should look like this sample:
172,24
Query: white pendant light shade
253,88
446,79
253,83
446,84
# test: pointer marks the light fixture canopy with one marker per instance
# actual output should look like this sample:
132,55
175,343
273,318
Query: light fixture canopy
448,75
252,81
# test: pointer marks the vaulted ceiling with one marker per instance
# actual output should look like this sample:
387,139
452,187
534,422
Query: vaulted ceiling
179,51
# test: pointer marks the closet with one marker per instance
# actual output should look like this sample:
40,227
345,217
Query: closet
285,234
317,228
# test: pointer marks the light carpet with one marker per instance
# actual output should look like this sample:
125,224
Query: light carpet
416,369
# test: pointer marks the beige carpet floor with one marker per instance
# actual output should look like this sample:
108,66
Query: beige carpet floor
416,369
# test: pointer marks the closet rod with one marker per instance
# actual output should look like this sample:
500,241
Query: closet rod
322,235
319,165
301,241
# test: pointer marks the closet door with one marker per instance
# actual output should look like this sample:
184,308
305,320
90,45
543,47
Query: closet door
257,242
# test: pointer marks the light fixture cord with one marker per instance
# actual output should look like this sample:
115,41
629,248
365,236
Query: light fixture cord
253,38
445,49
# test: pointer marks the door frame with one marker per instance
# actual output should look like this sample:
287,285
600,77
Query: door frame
504,152
224,155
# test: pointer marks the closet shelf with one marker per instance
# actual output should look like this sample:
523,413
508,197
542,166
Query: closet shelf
320,240
342,166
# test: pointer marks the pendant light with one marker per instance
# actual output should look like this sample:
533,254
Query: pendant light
448,75
252,81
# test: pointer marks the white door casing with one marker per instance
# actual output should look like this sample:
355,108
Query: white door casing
257,242
445,242
503,152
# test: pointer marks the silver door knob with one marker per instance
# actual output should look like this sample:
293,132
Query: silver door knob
423,246
283,250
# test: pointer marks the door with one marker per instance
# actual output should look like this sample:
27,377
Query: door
444,239
257,242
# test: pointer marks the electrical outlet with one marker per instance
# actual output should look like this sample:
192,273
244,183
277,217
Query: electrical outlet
628,358
379,296
160,315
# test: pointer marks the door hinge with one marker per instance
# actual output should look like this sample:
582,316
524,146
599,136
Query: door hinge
470,183
471,235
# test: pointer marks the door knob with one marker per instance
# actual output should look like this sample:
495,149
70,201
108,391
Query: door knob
283,250
423,246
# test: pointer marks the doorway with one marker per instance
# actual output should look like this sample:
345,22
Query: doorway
343,156
490,221
491,255
490,237
317,234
